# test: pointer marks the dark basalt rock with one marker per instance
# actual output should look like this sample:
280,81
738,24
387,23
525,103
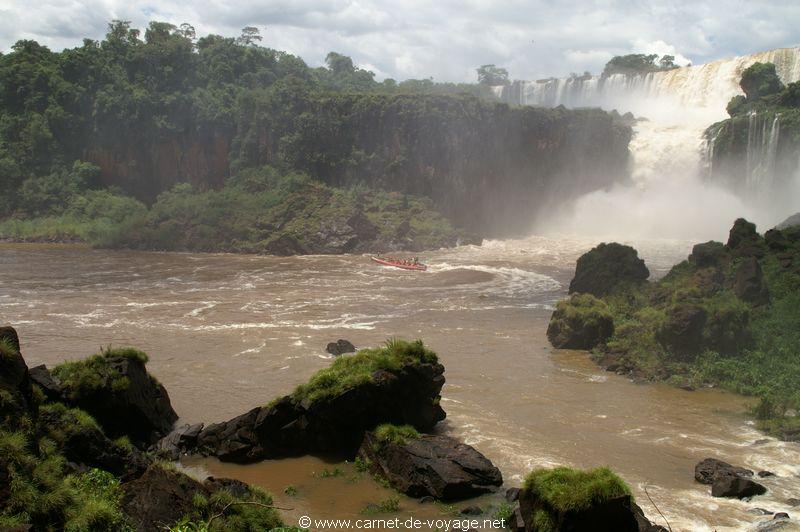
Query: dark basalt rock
435,465
606,267
159,498
765,474
643,522
707,469
472,510
181,440
88,447
735,487
682,332
336,424
749,283
340,347
141,410
742,232
15,380
613,514
512,495
776,240
708,254
41,376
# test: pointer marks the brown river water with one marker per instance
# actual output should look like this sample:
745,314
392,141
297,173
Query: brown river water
228,332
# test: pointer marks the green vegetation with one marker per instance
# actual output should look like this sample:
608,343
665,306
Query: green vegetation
290,490
348,372
639,64
727,317
564,488
82,378
395,434
7,348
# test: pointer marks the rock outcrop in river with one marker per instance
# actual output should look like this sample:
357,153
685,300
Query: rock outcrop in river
398,384
421,465
726,315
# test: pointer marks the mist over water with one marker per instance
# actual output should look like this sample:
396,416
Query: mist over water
669,194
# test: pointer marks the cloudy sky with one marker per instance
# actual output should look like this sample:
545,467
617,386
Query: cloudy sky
443,39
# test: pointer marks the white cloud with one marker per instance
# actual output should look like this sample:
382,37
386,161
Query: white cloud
446,39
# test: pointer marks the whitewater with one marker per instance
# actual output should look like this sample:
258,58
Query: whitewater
670,193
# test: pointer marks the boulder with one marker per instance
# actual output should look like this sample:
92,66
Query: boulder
580,322
615,514
742,232
291,427
708,254
682,332
435,465
14,380
707,469
744,241
643,522
607,267
128,401
765,474
181,440
735,487
748,284
339,347
159,498
41,377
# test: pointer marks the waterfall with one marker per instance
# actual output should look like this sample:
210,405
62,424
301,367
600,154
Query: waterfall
669,152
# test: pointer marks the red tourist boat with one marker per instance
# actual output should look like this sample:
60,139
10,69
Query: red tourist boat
404,264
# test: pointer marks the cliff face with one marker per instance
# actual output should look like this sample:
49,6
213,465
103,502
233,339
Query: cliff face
488,166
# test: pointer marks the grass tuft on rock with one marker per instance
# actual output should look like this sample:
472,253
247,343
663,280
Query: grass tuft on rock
7,348
399,434
83,377
565,488
348,372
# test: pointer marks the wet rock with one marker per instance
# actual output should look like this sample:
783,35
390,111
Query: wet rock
408,395
793,502
708,254
615,514
606,268
181,440
759,511
285,245
159,498
781,515
643,522
749,283
682,332
15,381
140,410
764,474
735,487
339,347
512,495
472,510
435,465
707,469
426,499
41,376
580,322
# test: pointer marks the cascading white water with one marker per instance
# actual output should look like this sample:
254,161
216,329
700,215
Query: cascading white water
668,197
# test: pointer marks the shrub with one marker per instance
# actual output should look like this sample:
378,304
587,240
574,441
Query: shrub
84,377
